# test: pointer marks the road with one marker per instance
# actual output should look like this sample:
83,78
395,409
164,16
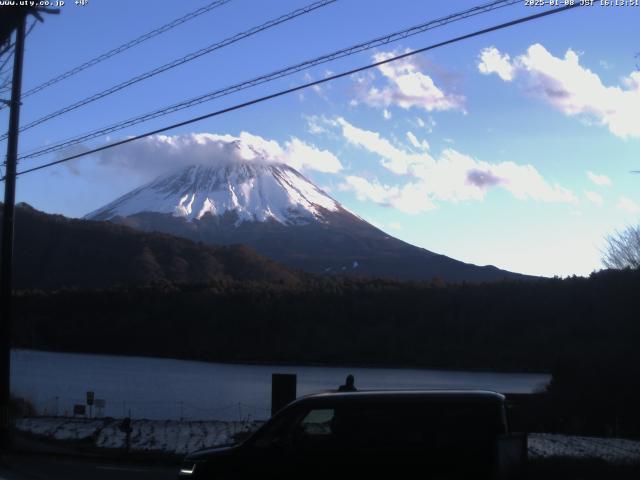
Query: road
48,467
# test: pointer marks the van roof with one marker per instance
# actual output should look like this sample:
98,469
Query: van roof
402,396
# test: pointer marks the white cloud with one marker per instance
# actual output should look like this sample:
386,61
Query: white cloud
320,125
407,87
452,177
431,124
491,61
628,205
428,124
411,198
525,182
420,145
594,197
316,88
577,91
394,159
600,180
304,156
158,154
366,190
606,65
314,126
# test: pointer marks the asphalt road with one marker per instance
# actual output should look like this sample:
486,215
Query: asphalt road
48,467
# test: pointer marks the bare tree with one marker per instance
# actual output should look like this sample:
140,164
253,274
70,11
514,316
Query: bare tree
5,58
623,249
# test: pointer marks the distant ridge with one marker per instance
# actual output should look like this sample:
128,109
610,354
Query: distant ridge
52,251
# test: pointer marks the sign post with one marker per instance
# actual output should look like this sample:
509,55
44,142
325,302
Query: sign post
283,390
90,398
100,404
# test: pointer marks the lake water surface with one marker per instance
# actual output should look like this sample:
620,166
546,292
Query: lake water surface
157,388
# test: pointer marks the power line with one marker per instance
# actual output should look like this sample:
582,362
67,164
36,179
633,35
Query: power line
180,61
31,27
7,48
125,46
6,60
386,39
306,85
6,86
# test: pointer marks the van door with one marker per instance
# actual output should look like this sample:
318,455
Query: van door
314,451
301,444
386,439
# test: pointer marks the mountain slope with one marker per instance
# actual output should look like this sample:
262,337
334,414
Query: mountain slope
281,214
52,251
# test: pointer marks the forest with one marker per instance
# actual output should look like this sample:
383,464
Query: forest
529,325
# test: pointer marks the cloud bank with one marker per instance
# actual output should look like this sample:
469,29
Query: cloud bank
594,197
406,87
492,61
451,177
600,180
570,87
158,154
628,205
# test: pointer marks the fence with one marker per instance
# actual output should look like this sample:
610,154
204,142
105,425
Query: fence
154,410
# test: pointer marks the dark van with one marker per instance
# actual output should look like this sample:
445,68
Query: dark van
422,434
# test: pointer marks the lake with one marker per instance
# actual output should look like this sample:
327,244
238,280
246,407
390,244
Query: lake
157,388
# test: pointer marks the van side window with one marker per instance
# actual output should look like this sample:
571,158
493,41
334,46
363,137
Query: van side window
318,422
276,433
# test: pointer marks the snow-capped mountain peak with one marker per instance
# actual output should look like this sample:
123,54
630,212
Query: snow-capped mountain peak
254,190
272,208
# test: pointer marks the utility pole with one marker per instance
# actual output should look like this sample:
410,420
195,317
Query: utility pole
6,259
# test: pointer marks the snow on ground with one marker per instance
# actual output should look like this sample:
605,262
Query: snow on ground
61,428
172,436
168,436
612,450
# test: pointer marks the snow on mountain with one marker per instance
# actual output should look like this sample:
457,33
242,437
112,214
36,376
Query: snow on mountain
255,191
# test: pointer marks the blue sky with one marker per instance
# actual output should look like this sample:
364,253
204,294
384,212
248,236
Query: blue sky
512,149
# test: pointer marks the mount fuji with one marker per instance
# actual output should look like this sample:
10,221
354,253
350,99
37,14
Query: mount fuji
252,191
274,209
